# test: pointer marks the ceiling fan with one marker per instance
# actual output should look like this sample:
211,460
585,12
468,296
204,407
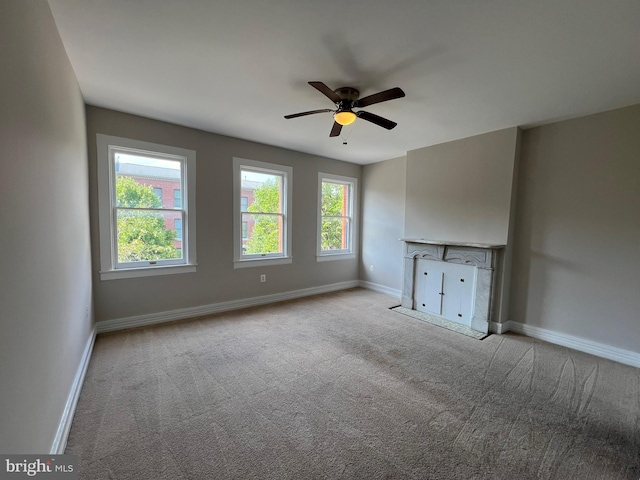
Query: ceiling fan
346,99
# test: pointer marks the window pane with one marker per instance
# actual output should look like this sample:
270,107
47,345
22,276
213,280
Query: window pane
263,192
177,198
264,234
141,180
144,235
335,199
177,226
158,193
335,233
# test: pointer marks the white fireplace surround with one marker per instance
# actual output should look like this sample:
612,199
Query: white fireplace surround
483,257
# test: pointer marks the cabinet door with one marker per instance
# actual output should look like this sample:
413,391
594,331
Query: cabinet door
428,294
458,287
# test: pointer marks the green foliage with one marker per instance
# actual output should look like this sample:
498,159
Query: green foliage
141,234
130,193
265,236
334,196
332,199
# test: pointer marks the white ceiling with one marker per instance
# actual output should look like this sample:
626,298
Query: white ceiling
467,66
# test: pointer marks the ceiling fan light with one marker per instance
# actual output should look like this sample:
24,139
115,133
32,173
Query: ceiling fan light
345,118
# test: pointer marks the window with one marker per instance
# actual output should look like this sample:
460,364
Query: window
139,236
266,239
177,198
336,224
177,226
158,193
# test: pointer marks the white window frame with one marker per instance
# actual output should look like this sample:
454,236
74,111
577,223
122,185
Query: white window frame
241,260
351,251
110,269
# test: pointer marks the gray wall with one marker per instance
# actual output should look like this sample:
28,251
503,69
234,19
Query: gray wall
576,263
216,280
464,190
461,190
45,279
383,204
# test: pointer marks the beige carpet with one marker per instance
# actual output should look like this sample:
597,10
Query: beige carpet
338,386
440,322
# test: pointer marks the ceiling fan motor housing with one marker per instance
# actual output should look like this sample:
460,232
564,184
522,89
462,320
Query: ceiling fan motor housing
347,93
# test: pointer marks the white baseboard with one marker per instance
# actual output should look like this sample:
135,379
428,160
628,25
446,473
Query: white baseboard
499,328
392,292
594,348
190,312
64,426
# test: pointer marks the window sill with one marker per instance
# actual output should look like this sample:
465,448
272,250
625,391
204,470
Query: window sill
262,262
328,257
146,272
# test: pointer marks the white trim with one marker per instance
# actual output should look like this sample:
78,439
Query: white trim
262,262
106,144
190,312
146,272
286,172
64,426
352,214
499,328
594,348
327,257
392,292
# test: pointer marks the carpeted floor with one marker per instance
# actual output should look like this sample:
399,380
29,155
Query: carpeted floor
338,386
441,322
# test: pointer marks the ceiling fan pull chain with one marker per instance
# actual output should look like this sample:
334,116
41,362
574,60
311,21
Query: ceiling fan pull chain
344,139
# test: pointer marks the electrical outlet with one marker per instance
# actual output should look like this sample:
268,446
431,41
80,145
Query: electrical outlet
371,268
263,278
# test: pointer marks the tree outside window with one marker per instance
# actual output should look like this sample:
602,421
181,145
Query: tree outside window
142,234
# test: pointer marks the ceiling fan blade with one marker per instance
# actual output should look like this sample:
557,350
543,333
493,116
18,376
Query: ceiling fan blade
330,94
377,119
311,112
335,131
390,94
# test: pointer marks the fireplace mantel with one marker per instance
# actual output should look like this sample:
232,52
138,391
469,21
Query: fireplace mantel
453,244
481,256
